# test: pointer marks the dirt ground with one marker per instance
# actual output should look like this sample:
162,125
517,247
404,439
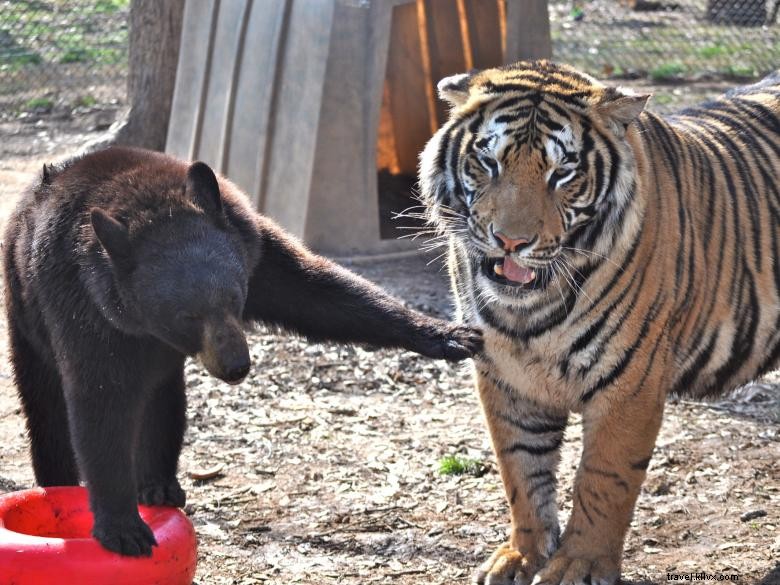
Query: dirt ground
325,460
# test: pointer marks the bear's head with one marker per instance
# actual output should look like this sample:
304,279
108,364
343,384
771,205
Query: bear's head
182,275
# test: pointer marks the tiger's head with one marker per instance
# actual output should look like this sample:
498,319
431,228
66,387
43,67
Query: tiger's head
533,165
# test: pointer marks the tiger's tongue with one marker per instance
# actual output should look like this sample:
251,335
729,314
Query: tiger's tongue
517,273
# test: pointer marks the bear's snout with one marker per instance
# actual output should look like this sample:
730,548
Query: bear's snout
225,353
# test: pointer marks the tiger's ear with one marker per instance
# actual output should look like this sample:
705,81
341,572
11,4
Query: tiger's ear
455,88
620,107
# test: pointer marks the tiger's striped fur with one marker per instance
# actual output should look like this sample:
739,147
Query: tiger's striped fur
651,245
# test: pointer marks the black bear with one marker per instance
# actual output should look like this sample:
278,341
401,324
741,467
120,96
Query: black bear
120,264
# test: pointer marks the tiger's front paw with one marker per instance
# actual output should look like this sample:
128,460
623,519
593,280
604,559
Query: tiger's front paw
506,566
569,569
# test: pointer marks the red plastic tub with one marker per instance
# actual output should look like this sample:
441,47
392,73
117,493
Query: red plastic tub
45,539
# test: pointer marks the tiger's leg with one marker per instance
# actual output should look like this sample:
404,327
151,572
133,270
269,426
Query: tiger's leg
526,440
618,440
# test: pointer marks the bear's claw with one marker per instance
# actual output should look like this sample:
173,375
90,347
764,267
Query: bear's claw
162,494
461,342
129,536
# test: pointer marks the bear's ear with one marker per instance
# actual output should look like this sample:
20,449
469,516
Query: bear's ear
455,88
620,107
203,189
113,236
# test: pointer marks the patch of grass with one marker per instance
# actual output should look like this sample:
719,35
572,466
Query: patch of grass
662,98
668,71
108,55
739,71
110,5
637,46
15,60
102,56
713,51
460,465
39,103
76,55
85,101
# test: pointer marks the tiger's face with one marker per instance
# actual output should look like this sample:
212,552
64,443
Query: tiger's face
533,156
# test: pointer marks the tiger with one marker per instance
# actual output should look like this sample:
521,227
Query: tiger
613,257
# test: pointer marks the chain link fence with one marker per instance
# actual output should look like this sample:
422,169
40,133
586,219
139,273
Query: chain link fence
668,40
71,52
74,52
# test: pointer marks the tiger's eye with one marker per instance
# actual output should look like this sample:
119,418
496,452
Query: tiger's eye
489,163
558,175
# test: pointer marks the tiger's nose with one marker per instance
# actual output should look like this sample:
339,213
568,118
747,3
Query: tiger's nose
507,243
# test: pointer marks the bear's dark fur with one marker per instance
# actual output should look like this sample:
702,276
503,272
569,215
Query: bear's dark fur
121,263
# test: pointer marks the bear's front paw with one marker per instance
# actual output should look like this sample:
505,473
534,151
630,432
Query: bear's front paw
506,567
451,342
126,535
569,569
162,494
461,342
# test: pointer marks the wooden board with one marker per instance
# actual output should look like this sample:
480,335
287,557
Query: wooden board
484,32
445,45
527,30
284,190
407,92
246,146
220,76
199,15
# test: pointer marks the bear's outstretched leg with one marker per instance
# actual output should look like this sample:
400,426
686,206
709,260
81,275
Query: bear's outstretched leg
310,295
159,446
105,406
40,390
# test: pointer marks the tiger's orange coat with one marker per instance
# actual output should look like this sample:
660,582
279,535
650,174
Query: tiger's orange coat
654,244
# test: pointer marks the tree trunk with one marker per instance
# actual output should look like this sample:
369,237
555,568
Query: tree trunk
737,12
155,32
